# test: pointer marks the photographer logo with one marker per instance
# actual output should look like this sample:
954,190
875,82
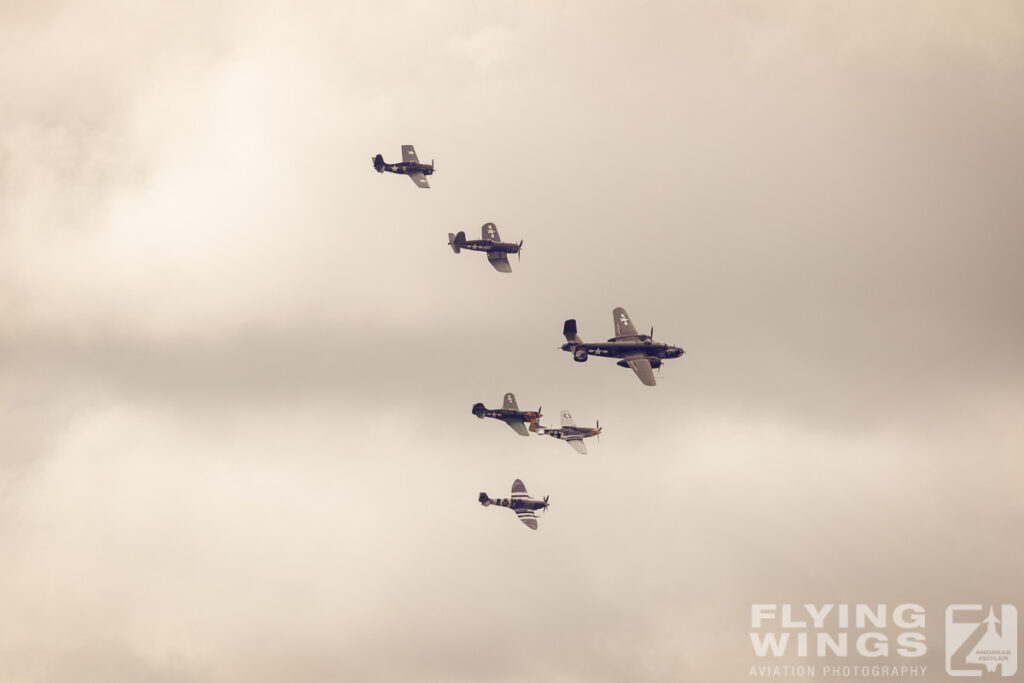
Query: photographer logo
981,640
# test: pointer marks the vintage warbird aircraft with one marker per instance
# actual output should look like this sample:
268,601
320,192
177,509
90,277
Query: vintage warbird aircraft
410,166
638,351
491,243
571,434
520,503
510,414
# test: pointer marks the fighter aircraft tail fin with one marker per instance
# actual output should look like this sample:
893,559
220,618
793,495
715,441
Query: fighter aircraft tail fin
378,163
457,241
484,499
478,410
569,330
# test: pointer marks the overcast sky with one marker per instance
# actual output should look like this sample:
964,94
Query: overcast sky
237,365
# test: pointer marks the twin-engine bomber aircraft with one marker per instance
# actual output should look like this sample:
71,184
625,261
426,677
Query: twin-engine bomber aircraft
521,504
638,352
573,435
491,243
510,414
410,166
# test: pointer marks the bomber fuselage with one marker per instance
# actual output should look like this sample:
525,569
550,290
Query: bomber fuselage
618,349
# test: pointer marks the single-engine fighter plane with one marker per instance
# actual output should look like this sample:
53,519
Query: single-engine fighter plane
638,352
496,249
571,434
410,166
510,414
520,503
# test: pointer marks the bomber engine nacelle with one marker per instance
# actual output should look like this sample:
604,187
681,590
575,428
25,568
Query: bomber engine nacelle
655,362
579,354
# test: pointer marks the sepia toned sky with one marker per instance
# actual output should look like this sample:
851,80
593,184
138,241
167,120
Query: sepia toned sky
237,365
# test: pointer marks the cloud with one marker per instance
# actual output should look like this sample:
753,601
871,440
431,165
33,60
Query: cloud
238,363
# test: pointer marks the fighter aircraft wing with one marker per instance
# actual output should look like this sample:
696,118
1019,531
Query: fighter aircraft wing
409,154
419,179
624,327
518,426
510,402
578,444
489,232
528,518
519,489
642,367
499,261
567,420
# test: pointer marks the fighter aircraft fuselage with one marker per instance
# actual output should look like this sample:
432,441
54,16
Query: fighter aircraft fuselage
485,245
513,503
402,167
565,433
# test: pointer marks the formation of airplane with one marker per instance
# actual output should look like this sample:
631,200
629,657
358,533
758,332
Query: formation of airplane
520,503
639,352
409,165
490,242
510,414
636,351
571,434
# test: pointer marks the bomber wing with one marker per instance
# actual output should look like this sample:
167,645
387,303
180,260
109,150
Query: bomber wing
409,154
578,444
528,518
419,179
489,232
642,367
624,327
500,262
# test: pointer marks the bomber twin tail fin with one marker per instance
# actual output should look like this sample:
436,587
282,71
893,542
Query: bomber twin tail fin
569,330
